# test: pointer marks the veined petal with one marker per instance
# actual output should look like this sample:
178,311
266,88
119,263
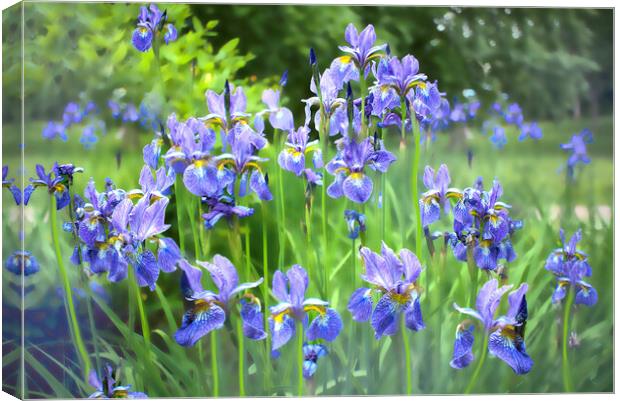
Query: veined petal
147,269
198,322
360,304
357,187
326,326
509,346
282,328
384,319
252,318
462,355
586,294
413,316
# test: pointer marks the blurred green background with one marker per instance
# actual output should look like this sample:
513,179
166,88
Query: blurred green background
556,63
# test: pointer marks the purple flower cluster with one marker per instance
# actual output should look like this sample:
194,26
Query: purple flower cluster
75,113
511,115
115,233
57,182
482,223
570,266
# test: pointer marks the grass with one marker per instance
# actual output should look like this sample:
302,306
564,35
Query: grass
532,185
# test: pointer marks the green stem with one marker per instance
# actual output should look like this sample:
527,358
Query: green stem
280,200
300,359
248,261
474,377
180,223
414,185
403,330
241,354
324,137
473,274
363,128
568,383
267,372
214,367
75,328
146,331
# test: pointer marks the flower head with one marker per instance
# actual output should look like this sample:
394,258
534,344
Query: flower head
210,309
110,387
8,183
570,266
348,168
361,50
290,290
151,21
356,223
577,146
400,75
394,279
436,198
312,353
55,184
22,262
293,157
506,333
531,130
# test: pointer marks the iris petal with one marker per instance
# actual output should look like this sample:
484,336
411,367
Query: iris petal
197,322
384,318
360,304
510,348
252,321
463,344
326,326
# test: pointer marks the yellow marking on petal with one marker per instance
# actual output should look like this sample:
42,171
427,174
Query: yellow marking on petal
135,195
279,317
252,165
315,308
357,175
342,170
344,59
59,187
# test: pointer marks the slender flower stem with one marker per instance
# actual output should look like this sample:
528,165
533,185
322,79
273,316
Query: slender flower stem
363,90
241,372
214,367
566,377
180,222
473,274
66,284
474,377
280,199
84,283
405,337
414,185
267,372
146,331
300,359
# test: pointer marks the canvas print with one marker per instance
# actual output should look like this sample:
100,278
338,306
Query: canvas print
226,200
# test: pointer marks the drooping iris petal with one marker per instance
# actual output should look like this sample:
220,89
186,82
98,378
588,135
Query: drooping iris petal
430,210
252,318
509,346
335,189
168,254
142,38
360,304
485,256
309,367
199,321
147,269
326,326
384,319
282,330
462,355
586,294
201,179
357,187
258,184
413,316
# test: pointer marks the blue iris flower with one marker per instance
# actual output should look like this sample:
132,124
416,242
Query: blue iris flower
290,290
506,333
22,262
210,309
570,266
394,279
8,183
